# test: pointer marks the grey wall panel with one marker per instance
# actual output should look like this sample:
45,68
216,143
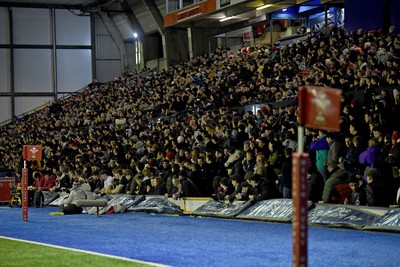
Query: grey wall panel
31,26
99,27
33,70
5,108
25,104
4,26
72,29
74,69
108,70
106,48
5,75
125,28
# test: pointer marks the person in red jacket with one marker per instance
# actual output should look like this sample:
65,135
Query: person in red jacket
42,184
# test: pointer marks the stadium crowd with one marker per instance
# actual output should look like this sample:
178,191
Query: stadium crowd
184,131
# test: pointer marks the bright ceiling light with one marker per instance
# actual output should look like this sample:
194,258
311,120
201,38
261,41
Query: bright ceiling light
135,35
284,10
227,18
263,7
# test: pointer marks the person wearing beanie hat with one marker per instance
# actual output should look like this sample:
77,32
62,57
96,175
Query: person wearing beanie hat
180,139
170,155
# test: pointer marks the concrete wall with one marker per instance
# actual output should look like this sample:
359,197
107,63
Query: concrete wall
177,45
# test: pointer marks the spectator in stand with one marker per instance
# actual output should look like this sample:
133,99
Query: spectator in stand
369,157
121,182
127,173
262,189
204,99
224,190
107,182
287,173
43,183
348,160
275,157
315,184
321,148
157,187
358,195
249,162
376,190
138,176
335,147
182,187
337,176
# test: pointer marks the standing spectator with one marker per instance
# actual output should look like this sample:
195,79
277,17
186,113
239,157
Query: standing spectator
321,148
370,156
315,184
287,173
335,147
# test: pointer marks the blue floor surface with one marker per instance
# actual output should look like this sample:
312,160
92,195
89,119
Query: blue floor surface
190,241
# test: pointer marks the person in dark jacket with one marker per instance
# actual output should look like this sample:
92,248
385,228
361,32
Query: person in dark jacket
224,190
262,188
156,187
376,190
315,184
358,195
183,187
287,173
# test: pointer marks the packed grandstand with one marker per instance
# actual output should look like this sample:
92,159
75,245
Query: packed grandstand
224,125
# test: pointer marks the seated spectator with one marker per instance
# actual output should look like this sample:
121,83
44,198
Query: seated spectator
262,188
182,187
358,195
375,189
121,182
245,192
107,182
235,180
142,182
337,176
138,176
224,190
156,187
129,177
43,184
